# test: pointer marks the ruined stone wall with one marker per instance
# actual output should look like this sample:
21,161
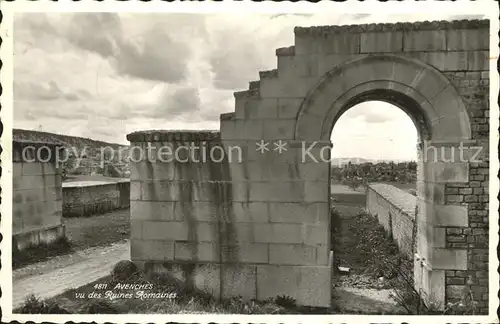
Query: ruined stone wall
86,198
37,195
395,210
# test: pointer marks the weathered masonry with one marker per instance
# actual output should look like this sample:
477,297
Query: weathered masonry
395,210
37,195
260,227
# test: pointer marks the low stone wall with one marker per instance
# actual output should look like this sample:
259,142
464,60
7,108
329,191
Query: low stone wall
37,195
395,210
87,198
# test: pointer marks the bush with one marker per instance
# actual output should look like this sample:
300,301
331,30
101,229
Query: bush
124,270
285,301
34,305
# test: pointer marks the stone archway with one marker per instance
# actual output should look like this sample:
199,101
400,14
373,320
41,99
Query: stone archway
267,231
440,116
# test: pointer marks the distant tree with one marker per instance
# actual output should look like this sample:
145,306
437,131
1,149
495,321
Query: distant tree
353,182
67,167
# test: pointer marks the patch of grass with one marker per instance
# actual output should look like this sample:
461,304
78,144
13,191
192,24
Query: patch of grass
40,252
363,245
99,230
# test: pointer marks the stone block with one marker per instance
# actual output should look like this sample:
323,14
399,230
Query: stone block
283,87
316,234
424,40
245,252
135,229
32,168
381,42
323,257
200,211
347,43
450,215
441,172
153,210
301,213
297,66
151,250
263,109
276,129
160,190
292,254
180,231
278,233
239,281
449,259
468,39
315,171
288,108
478,61
327,63
252,212
306,284
197,251
445,61
276,191
316,191
168,231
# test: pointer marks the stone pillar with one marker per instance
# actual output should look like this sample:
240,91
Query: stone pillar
180,196
445,197
37,195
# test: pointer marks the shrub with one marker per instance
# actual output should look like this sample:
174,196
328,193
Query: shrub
125,270
285,301
34,305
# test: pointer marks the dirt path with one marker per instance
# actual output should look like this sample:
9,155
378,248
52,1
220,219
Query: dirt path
365,301
53,277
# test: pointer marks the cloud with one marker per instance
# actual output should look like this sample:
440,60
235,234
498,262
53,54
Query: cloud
251,49
47,92
103,75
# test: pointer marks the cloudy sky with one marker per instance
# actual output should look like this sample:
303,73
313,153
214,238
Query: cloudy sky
104,75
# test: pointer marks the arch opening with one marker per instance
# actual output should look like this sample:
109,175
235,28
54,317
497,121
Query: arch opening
373,170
